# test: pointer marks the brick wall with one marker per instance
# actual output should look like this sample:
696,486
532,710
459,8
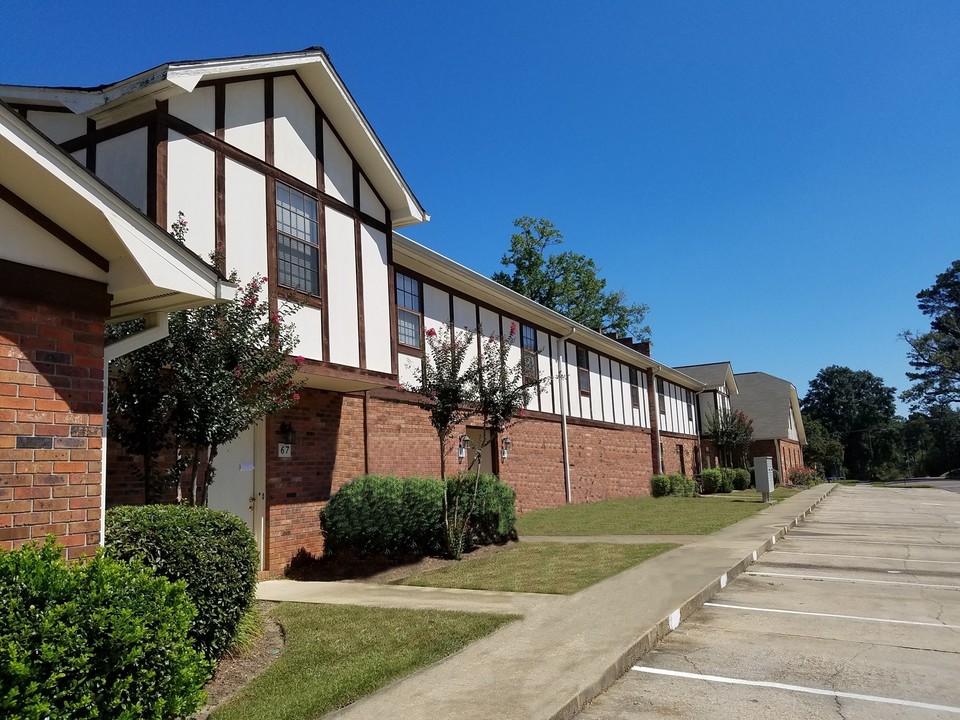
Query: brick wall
51,395
786,454
672,444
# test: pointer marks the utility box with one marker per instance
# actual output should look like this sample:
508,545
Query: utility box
763,474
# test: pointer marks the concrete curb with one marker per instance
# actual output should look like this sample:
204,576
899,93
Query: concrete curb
646,642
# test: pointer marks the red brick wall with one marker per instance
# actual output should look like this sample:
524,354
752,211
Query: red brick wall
786,454
671,455
51,400
328,452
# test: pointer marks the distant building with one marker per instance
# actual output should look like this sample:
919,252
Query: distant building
774,407
719,385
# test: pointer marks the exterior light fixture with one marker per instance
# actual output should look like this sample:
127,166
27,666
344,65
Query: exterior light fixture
462,446
288,434
505,445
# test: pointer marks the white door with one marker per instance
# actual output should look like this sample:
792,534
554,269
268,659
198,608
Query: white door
238,485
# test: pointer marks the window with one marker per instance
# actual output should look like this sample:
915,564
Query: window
298,245
409,312
528,354
663,404
689,406
634,388
583,371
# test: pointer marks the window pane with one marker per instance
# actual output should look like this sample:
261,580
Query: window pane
298,252
408,328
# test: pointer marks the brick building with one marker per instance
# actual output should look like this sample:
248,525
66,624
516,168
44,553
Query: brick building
772,404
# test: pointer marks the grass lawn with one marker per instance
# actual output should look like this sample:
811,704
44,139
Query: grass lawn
335,654
648,515
557,568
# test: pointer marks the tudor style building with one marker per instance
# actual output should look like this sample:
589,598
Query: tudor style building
719,385
774,407
278,172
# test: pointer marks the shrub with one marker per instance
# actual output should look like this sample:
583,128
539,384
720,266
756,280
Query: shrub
804,476
376,515
399,517
96,639
493,516
716,480
673,484
661,485
741,478
212,551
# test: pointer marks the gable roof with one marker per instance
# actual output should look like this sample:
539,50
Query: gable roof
146,270
713,375
768,401
140,92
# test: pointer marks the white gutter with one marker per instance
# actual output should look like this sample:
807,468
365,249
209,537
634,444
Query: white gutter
157,328
562,344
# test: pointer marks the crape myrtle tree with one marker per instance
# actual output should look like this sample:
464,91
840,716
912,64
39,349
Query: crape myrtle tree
567,282
935,354
732,432
453,391
222,368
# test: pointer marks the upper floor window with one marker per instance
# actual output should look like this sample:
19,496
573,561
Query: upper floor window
528,354
409,311
298,244
583,371
660,397
690,402
634,388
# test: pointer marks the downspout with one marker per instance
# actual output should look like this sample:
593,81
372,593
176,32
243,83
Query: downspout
157,328
562,344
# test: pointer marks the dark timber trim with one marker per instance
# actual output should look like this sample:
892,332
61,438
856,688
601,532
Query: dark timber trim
219,178
67,238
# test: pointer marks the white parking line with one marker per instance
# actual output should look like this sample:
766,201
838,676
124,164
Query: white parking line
867,557
830,615
853,580
846,539
798,688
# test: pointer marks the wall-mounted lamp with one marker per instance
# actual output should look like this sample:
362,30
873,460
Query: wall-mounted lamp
288,434
462,446
505,445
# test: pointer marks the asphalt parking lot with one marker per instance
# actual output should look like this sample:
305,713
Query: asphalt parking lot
855,614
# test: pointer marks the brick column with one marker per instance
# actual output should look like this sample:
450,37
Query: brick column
51,400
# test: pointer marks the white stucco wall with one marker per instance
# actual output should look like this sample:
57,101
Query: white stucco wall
122,164
243,117
294,130
190,189
376,299
342,291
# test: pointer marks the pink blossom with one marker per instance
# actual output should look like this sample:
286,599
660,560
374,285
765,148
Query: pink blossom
431,333
298,360
492,340
238,371
295,397
401,388
275,318
521,412
513,328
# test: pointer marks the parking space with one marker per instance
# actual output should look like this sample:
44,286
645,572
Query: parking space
855,614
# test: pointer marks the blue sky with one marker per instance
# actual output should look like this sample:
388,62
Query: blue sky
776,181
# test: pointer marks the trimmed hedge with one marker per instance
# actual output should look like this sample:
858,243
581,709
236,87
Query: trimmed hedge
805,476
96,639
212,551
741,478
716,480
674,484
400,517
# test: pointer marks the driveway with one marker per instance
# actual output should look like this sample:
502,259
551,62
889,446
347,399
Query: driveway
855,614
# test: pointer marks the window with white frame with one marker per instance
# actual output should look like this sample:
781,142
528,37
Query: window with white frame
409,311
298,241
529,354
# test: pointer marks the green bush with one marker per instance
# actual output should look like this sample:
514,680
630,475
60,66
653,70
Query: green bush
716,480
741,479
212,551
399,517
492,516
376,515
96,639
673,484
661,485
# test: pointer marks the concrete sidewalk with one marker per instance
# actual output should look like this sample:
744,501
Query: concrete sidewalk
567,650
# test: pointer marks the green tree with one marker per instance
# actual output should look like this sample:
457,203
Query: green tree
567,282
732,432
935,354
823,451
857,408
222,368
